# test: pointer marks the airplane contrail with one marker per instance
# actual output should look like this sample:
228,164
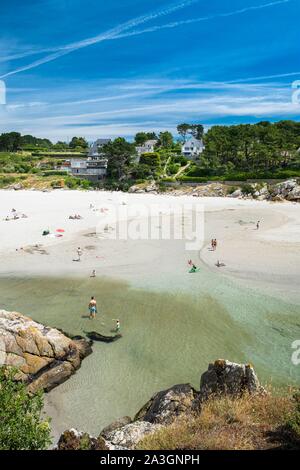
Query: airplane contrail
66,49
198,20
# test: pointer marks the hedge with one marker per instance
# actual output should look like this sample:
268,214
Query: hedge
55,173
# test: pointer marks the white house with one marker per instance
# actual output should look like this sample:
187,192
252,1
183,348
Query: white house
192,148
148,147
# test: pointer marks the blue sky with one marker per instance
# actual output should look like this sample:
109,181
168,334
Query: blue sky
107,68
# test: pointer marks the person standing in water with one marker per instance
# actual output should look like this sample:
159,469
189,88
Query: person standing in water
93,308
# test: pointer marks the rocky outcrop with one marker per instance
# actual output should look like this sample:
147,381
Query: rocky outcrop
221,378
127,437
227,378
45,357
115,426
166,406
289,190
147,187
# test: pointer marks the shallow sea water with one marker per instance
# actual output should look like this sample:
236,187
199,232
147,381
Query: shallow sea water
170,334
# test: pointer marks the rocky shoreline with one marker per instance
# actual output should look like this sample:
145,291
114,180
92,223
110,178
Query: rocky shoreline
45,357
278,192
221,378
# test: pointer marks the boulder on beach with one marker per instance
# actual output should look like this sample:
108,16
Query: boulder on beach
44,357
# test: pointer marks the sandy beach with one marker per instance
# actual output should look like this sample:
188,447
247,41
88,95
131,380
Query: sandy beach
269,255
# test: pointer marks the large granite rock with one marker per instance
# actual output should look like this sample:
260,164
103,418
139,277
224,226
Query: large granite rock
227,378
127,437
166,406
289,190
45,357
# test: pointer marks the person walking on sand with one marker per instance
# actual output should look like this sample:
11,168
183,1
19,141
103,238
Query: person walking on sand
93,308
258,225
93,273
215,244
79,253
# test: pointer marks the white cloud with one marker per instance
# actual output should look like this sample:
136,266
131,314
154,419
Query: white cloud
156,104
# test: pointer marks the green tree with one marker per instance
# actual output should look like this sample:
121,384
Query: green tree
183,130
78,142
21,425
31,141
120,155
197,131
10,142
142,137
166,139
61,145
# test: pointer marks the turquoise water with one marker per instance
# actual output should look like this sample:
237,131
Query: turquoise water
171,331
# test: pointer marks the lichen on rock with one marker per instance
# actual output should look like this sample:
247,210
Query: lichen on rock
44,356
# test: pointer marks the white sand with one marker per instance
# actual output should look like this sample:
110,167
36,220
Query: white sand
269,255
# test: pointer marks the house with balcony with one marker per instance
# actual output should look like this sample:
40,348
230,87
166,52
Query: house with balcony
192,148
92,167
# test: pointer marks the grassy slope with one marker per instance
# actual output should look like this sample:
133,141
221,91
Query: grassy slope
248,423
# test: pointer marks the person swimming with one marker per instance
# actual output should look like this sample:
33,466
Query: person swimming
194,268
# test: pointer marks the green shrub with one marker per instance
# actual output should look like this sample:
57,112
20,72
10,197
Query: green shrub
55,173
150,159
231,189
247,189
21,423
72,183
168,180
85,184
6,181
194,179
